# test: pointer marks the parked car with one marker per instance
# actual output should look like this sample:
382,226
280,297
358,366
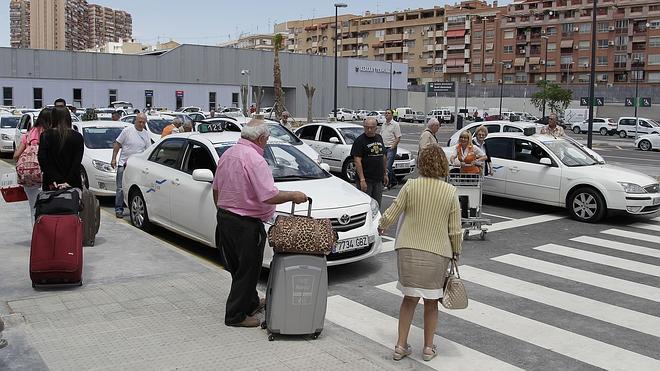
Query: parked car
627,126
443,115
176,192
555,171
602,125
106,113
648,142
25,124
334,141
420,117
343,114
8,124
361,114
378,115
155,124
189,109
405,114
99,137
574,115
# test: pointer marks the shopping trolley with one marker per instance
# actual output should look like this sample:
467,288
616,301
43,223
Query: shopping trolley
469,188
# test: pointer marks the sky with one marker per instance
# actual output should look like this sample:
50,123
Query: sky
215,21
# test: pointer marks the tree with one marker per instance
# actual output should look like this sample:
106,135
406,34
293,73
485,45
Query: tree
309,91
258,93
244,100
278,105
555,97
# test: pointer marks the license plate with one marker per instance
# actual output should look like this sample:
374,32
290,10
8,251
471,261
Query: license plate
401,165
351,244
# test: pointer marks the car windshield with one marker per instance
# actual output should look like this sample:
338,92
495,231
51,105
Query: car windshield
569,153
277,131
286,162
156,126
100,137
653,122
9,122
350,134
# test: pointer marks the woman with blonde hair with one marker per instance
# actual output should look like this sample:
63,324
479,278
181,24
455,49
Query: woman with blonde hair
480,141
429,237
467,155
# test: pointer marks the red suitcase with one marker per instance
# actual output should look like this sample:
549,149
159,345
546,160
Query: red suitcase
56,255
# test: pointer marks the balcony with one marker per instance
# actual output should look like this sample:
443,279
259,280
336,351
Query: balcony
439,33
393,37
467,53
430,48
393,49
350,40
621,65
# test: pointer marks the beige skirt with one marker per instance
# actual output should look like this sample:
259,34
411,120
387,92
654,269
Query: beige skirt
421,273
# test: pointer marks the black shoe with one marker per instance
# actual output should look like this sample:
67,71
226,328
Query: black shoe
119,214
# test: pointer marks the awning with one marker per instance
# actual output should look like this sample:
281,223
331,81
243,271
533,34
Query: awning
519,62
488,61
566,44
489,46
456,47
639,39
534,60
455,33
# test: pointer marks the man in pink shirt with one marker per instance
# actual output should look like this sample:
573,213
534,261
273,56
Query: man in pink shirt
245,194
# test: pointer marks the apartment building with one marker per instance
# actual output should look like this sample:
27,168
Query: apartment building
258,42
108,25
19,23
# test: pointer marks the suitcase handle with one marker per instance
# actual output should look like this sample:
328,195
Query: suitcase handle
309,207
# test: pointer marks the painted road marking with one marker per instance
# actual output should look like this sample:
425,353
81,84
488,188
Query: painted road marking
633,235
618,246
650,227
498,216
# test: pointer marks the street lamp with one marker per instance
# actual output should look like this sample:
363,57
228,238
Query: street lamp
390,92
592,77
249,96
545,71
337,6
501,82
467,82
636,63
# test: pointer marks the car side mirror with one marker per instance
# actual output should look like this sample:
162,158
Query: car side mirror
325,166
334,140
545,161
203,175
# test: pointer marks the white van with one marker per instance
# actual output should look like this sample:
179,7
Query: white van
575,116
627,126
404,114
443,115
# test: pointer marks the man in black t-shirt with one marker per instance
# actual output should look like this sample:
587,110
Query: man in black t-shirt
368,152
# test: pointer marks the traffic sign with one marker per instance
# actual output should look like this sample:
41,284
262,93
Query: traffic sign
630,102
148,93
441,87
599,101
584,101
645,102
179,93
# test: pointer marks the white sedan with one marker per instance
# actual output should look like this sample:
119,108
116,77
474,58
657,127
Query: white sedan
378,115
648,142
602,125
169,184
99,136
334,141
554,171
8,124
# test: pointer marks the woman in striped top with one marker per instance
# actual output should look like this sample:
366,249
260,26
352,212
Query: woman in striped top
429,237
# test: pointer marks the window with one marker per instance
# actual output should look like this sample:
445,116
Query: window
567,28
112,96
654,59
198,157
212,100
603,27
508,34
7,96
508,49
490,34
654,24
603,44
77,97
526,151
585,27
477,34
654,76
234,99
621,23
308,132
551,31
508,79
552,47
621,40
583,77
584,45
583,61
654,42
511,129
566,59
411,69
500,148
551,63
37,97
601,60
168,152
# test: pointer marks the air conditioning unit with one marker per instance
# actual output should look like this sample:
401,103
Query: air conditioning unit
542,62
469,81
610,85
576,29
611,28
577,47
586,65
610,43
521,51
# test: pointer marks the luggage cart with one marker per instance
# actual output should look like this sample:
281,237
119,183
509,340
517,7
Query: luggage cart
469,190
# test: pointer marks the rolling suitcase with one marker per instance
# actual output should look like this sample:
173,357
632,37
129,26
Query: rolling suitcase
56,255
91,217
296,295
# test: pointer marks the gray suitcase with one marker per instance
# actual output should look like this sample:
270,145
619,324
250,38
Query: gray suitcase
296,295
91,217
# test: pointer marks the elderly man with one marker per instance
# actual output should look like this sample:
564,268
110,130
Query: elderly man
368,152
391,133
428,135
552,128
174,127
285,120
187,127
132,139
245,194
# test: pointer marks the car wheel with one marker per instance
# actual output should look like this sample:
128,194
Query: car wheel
586,205
138,210
577,130
84,178
341,118
603,131
349,171
622,134
644,145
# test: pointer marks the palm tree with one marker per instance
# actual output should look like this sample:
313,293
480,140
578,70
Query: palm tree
309,91
278,105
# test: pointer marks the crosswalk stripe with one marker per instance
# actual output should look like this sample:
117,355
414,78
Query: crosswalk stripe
578,275
623,317
558,340
515,223
382,329
618,246
633,235
612,261
650,227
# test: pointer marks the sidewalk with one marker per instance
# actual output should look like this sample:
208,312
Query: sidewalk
146,305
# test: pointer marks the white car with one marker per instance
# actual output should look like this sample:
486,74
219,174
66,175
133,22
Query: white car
334,141
155,124
169,184
554,171
602,125
8,124
648,142
378,115
189,109
443,115
99,137
276,131
514,127
106,113
627,126
343,114
361,114
25,124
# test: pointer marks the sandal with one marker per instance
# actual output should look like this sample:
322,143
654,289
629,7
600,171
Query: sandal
401,352
429,356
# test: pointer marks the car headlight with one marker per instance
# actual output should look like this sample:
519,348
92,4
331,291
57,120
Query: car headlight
375,208
5,137
632,187
103,166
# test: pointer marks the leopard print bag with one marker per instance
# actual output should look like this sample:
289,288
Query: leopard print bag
302,234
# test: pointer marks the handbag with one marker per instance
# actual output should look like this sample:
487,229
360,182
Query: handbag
11,191
58,202
302,234
454,295
27,166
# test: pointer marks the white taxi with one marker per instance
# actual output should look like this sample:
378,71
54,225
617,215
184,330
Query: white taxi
648,142
8,124
99,137
554,171
169,184
334,141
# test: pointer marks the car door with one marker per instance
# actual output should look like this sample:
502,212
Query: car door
23,126
192,208
163,175
527,178
307,134
644,127
500,151
331,153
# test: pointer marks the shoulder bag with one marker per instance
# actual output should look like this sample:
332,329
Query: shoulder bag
454,295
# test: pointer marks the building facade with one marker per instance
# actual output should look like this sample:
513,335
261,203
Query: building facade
258,42
19,23
108,25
